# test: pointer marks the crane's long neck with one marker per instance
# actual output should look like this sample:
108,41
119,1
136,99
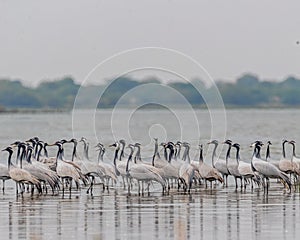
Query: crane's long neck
45,151
36,150
99,155
122,151
258,151
165,153
102,154
228,152
178,152
294,150
283,149
22,156
184,155
62,153
187,154
29,153
156,153
18,155
86,150
138,154
171,154
238,155
268,153
74,153
116,156
128,160
9,159
59,155
253,155
201,156
214,155
39,153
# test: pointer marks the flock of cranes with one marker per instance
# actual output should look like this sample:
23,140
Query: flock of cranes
32,169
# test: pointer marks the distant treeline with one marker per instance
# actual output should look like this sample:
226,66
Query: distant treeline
248,90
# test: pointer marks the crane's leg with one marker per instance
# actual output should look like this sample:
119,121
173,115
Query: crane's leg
70,189
63,187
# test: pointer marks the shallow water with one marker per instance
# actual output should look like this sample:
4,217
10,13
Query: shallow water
220,213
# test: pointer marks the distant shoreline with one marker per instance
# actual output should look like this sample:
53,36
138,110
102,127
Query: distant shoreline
38,110
231,107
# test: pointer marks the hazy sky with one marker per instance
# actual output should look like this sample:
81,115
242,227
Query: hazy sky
50,39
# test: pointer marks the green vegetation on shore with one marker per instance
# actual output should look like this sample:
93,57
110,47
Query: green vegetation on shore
247,91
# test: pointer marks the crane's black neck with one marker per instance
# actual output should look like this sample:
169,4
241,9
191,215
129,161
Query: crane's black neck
74,153
60,151
238,154
156,153
99,155
258,148
36,149
22,155
214,154
122,151
29,153
283,149
268,152
165,153
228,152
45,151
116,156
171,154
294,150
9,164
128,160
201,155
186,154
178,152
39,153
138,154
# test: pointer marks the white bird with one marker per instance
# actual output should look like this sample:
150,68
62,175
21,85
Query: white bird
144,173
157,160
244,168
80,168
295,159
266,169
219,164
286,165
65,169
20,175
166,169
109,170
207,172
120,166
232,164
43,174
89,168
187,170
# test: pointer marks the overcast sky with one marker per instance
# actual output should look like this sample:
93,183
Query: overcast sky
50,39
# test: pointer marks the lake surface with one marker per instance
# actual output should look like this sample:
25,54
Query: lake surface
220,213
